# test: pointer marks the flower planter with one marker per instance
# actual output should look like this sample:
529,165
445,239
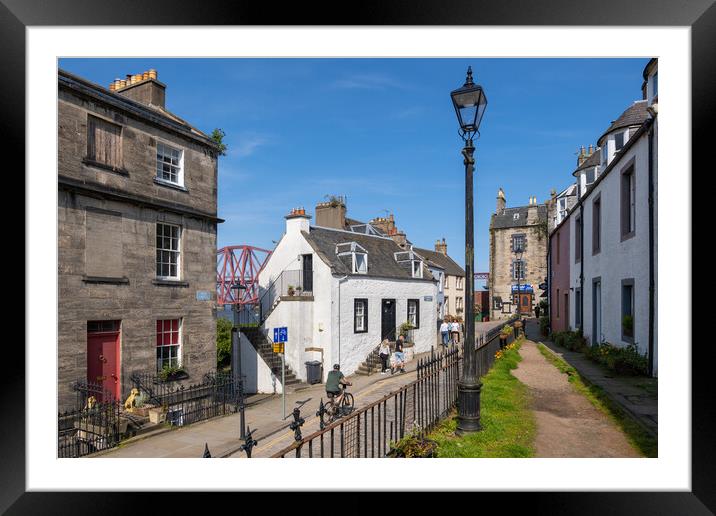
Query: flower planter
157,415
415,448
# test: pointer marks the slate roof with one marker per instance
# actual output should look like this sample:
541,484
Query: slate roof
381,258
168,118
592,161
634,115
506,219
444,262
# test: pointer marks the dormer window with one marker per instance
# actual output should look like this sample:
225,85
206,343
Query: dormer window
354,256
589,176
516,216
409,259
619,140
604,153
365,229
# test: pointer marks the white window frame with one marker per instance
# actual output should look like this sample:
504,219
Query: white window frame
362,304
162,249
179,344
458,283
458,304
363,270
521,270
413,316
180,166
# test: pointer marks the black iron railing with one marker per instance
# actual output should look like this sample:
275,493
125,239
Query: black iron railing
289,283
216,395
415,408
91,428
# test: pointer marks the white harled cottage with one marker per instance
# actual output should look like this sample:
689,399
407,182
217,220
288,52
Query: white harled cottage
340,287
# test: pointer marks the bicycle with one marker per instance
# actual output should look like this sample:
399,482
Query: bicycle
334,412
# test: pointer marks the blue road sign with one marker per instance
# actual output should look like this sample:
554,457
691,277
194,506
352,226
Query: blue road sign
280,334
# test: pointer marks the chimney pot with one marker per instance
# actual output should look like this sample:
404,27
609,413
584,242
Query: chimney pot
152,73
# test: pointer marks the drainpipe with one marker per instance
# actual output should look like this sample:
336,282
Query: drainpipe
340,280
651,251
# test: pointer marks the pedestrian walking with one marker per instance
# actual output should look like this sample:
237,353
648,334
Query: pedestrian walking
384,352
537,311
444,332
399,364
455,332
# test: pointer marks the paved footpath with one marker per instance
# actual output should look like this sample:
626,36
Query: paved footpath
568,425
264,418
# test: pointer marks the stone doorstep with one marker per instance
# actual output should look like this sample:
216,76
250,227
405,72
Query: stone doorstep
638,418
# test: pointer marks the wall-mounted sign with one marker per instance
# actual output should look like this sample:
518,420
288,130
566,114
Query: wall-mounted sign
203,295
278,347
427,298
280,334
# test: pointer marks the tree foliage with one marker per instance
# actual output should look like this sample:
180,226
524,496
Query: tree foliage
217,136
223,341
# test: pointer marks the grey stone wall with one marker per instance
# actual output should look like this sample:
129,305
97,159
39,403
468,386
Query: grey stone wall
141,301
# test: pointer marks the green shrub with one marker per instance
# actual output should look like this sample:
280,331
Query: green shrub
544,325
572,340
223,342
622,360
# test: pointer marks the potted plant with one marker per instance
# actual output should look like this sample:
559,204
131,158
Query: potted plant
171,373
291,290
414,447
158,415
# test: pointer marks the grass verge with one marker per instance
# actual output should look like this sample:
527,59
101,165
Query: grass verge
642,440
508,426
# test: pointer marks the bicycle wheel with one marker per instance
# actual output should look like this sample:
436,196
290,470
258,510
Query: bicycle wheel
347,403
330,410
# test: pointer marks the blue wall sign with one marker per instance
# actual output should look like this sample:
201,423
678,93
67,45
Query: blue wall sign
280,334
203,295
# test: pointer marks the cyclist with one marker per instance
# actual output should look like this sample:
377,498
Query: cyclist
335,380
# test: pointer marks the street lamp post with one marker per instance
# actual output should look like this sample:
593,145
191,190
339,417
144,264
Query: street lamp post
469,102
236,357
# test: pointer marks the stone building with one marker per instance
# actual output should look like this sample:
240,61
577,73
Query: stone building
137,219
512,230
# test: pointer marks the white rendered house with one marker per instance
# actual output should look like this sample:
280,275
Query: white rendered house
613,232
340,290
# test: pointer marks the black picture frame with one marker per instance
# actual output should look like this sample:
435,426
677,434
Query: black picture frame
699,15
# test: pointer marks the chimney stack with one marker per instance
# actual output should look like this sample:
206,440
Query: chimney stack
501,202
331,214
582,156
297,221
141,87
441,247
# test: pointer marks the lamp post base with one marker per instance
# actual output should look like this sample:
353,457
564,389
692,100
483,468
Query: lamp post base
468,407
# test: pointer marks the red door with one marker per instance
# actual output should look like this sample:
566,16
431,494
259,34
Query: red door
103,356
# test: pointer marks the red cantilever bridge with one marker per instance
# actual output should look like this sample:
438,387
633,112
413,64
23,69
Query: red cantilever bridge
239,264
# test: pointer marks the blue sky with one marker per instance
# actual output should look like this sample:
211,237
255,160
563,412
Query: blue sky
383,133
